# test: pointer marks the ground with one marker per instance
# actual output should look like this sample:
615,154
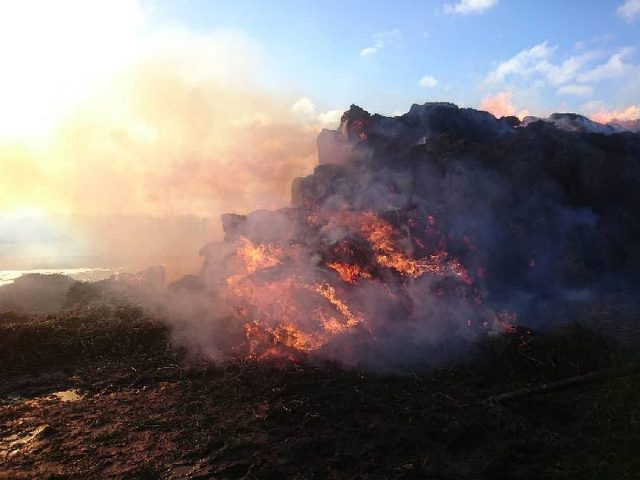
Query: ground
101,394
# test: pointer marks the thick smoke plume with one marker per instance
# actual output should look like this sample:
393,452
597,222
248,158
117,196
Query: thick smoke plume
181,134
416,235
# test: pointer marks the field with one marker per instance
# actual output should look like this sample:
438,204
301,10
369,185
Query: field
101,393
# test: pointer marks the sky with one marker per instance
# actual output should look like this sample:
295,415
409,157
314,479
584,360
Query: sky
540,56
548,55
114,114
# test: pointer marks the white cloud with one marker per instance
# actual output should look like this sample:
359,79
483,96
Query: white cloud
615,67
366,52
305,110
522,64
566,71
533,74
428,82
629,10
577,90
537,61
466,7
536,65
331,118
381,40
537,74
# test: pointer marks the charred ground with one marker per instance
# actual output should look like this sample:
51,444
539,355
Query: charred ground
146,411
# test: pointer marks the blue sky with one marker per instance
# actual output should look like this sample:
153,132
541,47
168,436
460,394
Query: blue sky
319,49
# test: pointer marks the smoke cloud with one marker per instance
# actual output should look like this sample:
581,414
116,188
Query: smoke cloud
419,234
501,105
181,134
605,116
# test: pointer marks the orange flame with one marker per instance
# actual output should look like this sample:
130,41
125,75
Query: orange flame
348,272
328,292
257,257
286,309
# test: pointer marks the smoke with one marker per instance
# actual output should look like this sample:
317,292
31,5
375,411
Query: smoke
413,237
500,105
178,146
605,116
417,235
144,165
449,219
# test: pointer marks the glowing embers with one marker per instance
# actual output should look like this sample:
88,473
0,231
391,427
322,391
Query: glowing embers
349,272
302,294
381,235
285,305
384,241
297,314
256,257
283,340
329,293
352,259
283,317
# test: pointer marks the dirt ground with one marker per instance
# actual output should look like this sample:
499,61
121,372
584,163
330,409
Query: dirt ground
144,413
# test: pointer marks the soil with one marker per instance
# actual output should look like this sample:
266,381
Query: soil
145,412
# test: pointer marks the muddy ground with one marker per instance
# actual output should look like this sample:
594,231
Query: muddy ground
102,394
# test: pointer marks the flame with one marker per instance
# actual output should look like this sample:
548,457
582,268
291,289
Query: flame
291,307
269,342
380,235
257,257
328,292
349,272
284,341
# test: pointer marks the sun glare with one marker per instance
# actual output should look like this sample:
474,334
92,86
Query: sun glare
54,54
18,214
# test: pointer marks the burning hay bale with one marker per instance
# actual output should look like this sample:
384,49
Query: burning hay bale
418,234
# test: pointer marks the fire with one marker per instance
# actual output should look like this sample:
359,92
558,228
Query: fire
380,235
326,321
328,292
348,272
257,257
283,341
291,305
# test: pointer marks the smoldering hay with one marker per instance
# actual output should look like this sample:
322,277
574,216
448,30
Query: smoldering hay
418,234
